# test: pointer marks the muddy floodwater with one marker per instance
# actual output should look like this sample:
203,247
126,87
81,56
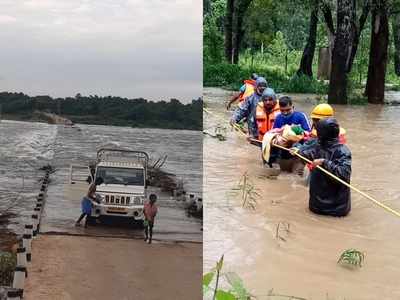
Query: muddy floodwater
26,146
302,261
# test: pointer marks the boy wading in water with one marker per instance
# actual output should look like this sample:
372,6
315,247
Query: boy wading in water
86,203
150,212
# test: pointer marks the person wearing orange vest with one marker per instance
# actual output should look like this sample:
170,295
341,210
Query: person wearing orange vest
266,111
324,111
246,90
248,109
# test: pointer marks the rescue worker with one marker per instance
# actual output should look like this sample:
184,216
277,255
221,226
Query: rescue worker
328,196
323,111
245,91
266,112
248,109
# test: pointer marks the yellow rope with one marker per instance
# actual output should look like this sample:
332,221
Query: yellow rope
387,208
345,183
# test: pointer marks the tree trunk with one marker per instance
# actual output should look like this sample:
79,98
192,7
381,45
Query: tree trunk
228,30
240,7
357,29
327,13
396,39
375,89
338,79
309,50
206,7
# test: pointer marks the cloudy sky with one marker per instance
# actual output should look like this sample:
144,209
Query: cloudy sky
129,48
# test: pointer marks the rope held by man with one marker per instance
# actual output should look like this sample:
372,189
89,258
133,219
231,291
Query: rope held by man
387,208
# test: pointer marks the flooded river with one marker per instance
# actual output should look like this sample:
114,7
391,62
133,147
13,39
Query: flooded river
304,262
25,147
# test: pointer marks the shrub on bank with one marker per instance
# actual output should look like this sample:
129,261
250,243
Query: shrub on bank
232,76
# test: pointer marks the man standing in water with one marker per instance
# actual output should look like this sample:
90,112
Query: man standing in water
150,212
248,108
246,90
327,196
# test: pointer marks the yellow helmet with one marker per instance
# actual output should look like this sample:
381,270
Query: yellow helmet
322,111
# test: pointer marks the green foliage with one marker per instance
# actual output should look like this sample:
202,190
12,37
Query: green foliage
275,33
232,76
305,84
213,42
352,257
257,27
207,278
8,261
235,289
357,98
222,295
109,110
213,39
237,286
266,17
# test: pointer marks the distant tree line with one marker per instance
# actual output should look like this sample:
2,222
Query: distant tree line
108,110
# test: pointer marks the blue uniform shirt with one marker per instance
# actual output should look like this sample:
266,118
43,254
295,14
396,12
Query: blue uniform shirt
297,118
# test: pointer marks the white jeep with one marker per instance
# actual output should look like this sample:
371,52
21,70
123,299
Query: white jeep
123,191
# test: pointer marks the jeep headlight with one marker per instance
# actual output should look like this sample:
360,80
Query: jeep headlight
137,200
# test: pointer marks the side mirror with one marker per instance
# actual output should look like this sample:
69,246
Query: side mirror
153,197
147,182
89,179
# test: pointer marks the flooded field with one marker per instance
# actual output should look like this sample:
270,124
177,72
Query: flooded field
304,262
28,146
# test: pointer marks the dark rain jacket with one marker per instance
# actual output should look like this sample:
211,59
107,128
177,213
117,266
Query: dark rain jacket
328,196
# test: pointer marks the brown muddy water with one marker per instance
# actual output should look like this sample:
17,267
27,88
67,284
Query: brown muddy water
304,264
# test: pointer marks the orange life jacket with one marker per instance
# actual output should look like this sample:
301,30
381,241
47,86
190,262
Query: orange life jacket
250,88
265,121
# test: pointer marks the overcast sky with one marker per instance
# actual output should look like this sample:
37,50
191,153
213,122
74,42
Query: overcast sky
129,48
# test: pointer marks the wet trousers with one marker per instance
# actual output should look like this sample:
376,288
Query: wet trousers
148,230
81,217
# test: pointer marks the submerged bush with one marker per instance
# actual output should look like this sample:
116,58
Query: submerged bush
305,84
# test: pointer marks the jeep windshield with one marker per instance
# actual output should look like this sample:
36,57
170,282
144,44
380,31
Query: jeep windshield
125,176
